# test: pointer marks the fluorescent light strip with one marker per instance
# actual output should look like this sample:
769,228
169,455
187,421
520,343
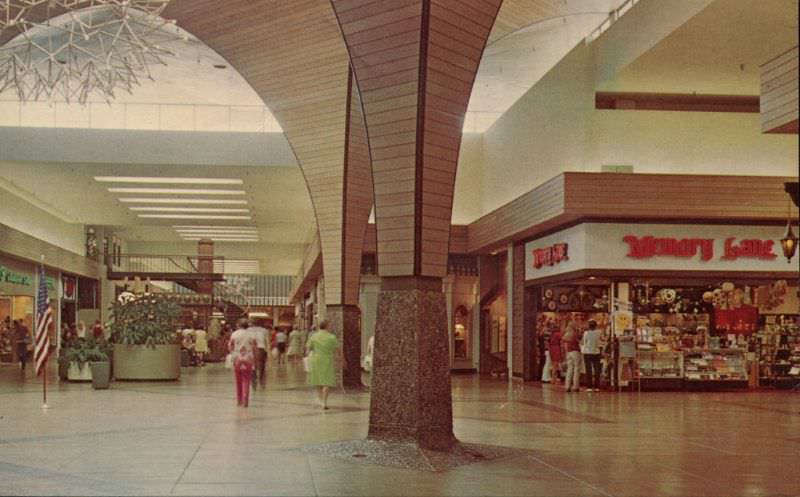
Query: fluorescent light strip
189,216
219,230
186,209
177,191
223,239
210,201
227,235
218,233
218,226
168,180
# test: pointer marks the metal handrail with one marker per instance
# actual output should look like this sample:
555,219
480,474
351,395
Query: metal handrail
158,263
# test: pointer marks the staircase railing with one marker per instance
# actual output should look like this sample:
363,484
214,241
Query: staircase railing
161,264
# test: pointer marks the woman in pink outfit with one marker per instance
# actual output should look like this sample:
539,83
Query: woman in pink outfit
242,346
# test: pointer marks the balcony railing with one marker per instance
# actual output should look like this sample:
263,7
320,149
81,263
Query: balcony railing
162,264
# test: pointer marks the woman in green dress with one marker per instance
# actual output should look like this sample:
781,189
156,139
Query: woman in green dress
324,348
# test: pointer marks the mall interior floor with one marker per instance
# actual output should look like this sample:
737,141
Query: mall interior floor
190,438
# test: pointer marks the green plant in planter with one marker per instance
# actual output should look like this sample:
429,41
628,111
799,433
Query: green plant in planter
148,320
83,350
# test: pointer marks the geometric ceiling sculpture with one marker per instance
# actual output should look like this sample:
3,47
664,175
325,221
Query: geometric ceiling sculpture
74,48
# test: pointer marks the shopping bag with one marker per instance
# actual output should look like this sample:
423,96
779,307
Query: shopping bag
229,361
307,363
274,352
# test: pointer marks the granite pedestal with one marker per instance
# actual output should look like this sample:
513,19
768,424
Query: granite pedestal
411,399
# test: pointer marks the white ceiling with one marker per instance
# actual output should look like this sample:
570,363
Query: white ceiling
277,197
718,51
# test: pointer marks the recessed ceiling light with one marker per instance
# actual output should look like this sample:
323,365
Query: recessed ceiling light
195,226
168,180
251,240
210,201
186,209
177,191
215,232
189,216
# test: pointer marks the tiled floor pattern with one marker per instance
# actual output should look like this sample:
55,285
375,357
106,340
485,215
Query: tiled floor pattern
189,438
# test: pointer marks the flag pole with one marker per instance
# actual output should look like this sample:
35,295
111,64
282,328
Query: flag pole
46,357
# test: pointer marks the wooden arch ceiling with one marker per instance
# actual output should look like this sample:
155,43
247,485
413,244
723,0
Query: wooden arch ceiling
292,54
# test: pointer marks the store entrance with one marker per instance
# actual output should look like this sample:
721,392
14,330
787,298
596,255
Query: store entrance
13,308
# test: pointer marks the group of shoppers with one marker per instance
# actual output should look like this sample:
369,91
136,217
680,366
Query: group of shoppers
247,346
573,345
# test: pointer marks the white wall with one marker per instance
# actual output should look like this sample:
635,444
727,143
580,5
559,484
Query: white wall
26,217
555,128
543,134
468,194
689,143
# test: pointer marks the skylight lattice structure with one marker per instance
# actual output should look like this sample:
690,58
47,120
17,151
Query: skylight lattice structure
75,48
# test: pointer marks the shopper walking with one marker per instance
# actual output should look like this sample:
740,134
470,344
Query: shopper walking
242,346
259,373
23,337
281,339
554,348
571,341
295,351
324,347
591,355
200,346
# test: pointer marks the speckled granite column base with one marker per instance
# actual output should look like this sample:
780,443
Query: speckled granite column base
345,323
411,399
410,455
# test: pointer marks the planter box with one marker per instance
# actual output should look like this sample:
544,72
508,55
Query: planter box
139,362
80,372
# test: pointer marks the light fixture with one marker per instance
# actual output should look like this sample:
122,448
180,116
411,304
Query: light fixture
244,240
204,201
81,47
196,226
177,191
169,180
189,216
216,232
185,209
789,240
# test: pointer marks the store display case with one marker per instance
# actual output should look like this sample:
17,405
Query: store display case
721,368
660,370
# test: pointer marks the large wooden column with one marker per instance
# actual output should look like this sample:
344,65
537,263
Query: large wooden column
292,54
414,63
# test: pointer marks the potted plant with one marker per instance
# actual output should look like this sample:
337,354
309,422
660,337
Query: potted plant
145,343
79,355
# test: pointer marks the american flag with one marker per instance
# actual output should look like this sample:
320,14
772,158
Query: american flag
44,318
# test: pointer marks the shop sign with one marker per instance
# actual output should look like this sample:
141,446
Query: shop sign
550,256
9,276
650,246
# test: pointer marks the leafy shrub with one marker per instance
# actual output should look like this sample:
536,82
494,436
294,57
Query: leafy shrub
148,320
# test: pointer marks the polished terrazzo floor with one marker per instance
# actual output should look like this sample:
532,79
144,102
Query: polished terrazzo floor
190,438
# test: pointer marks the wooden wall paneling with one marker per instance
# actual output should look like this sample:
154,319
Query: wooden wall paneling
570,197
518,311
357,197
779,93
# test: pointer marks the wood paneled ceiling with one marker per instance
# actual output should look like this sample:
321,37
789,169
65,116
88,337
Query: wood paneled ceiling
293,55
